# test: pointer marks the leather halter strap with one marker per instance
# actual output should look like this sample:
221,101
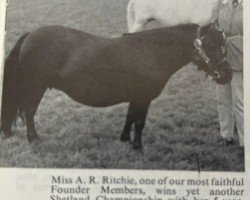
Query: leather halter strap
198,46
203,55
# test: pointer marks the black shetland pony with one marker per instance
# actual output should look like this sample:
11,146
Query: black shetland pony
100,72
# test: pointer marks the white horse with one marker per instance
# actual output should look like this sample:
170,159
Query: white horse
169,12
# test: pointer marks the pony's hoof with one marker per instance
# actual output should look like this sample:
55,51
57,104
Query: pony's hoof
36,142
125,138
137,146
139,149
6,136
31,138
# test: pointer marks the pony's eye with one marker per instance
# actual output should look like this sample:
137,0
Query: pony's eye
210,45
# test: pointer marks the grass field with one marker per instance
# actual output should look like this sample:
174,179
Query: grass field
181,131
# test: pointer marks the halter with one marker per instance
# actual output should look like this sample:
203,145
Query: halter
203,55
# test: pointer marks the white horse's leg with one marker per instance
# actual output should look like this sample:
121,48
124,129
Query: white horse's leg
130,15
138,26
135,21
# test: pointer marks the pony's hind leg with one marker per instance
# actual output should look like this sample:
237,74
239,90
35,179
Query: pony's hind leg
10,101
9,109
30,107
7,119
11,89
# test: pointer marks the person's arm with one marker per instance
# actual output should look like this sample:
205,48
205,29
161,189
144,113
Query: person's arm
215,12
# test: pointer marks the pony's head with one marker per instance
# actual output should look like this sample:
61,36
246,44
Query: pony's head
210,53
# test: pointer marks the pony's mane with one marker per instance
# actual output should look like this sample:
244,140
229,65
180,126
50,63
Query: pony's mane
162,29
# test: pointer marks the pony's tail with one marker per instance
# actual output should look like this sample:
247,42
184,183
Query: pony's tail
12,84
130,15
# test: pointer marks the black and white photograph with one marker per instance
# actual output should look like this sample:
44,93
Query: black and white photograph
123,84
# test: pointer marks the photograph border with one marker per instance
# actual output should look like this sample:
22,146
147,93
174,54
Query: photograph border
8,176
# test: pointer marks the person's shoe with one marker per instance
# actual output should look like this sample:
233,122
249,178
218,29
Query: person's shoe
227,142
241,152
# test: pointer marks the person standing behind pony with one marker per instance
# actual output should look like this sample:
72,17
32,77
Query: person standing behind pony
230,96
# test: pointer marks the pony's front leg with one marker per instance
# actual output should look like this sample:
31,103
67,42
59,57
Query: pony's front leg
141,113
6,130
125,136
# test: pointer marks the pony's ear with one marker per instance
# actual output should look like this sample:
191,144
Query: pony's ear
217,26
216,23
205,28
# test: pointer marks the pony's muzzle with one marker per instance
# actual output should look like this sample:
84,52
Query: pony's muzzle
216,75
223,73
